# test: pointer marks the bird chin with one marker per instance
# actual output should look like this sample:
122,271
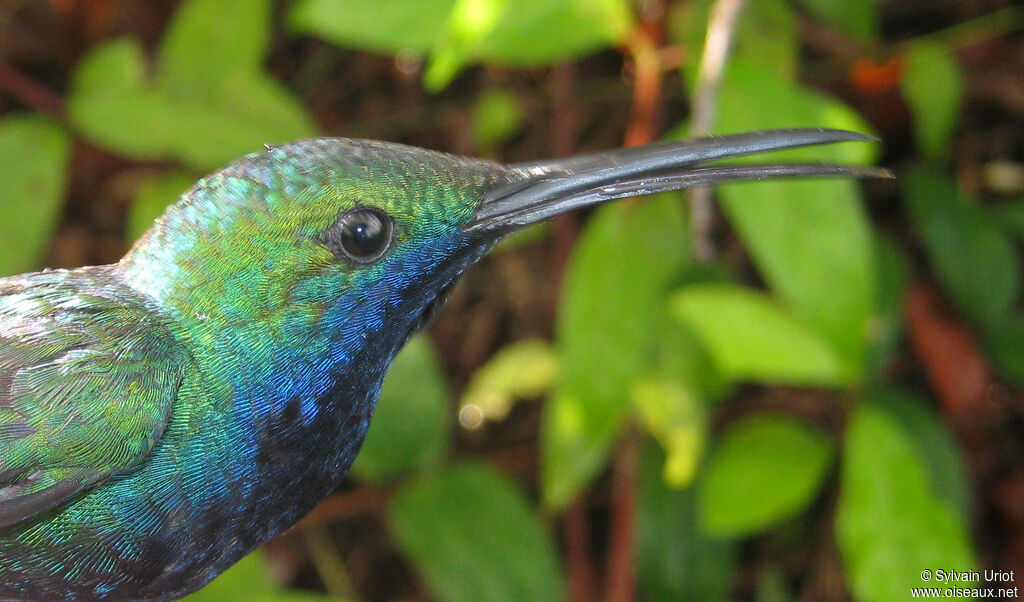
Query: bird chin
430,313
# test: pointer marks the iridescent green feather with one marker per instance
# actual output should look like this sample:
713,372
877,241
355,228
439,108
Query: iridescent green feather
88,376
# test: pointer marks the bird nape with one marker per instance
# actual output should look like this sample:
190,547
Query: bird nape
163,416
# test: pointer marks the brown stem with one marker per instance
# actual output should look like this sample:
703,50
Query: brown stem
29,92
644,47
642,129
564,118
619,580
579,566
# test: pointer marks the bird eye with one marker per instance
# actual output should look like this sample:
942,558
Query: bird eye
361,235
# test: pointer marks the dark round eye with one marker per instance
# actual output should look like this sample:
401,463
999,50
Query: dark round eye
361,235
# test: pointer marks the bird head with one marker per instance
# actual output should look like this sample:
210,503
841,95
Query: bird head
357,240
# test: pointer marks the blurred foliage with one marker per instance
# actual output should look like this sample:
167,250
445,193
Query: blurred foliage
410,426
933,86
34,154
522,370
497,117
152,197
779,460
890,519
207,100
648,343
613,272
455,33
973,258
249,580
675,558
859,18
476,537
750,338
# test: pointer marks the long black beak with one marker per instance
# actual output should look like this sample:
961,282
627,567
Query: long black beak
552,187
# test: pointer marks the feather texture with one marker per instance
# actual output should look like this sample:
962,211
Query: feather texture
88,377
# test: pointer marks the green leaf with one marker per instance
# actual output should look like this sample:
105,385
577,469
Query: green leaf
384,26
249,579
152,198
856,17
766,34
469,23
1010,217
766,468
933,441
34,154
544,32
890,525
521,370
527,33
974,260
750,337
680,355
200,46
1006,346
410,426
885,327
933,85
497,116
208,102
607,326
674,414
810,239
474,536
675,560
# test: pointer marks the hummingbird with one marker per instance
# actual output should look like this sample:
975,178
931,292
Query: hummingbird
163,416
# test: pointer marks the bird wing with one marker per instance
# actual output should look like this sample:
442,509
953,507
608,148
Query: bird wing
88,378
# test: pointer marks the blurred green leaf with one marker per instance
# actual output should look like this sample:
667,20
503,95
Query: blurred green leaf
201,46
497,116
856,17
34,154
527,33
933,441
810,239
672,412
457,32
468,24
410,425
620,267
749,337
524,236
934,88
766,468
885,327
674,559
249,579
385,26
474,537
521,370
1010,217
152,198
772,586
680,355
1006,346
766,34
889,523
208,103
544,32
975,261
